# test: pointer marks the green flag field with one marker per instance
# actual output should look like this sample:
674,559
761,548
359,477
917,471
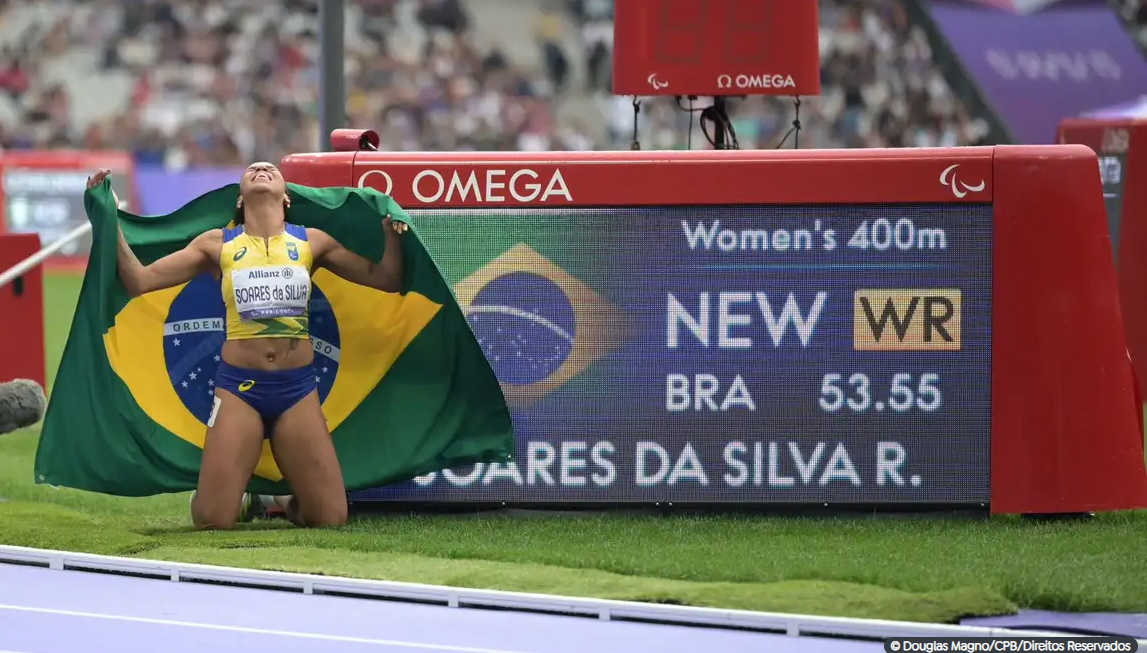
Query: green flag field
906,568
133,368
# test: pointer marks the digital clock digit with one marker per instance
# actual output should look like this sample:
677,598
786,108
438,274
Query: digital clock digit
681,36
904,392
684,35
745,23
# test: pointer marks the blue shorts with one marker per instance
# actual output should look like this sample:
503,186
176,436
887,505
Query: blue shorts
270,393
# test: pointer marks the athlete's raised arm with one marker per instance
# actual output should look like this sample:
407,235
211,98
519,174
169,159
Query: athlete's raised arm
171,270
385,275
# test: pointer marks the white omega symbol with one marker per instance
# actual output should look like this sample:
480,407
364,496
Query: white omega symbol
366,175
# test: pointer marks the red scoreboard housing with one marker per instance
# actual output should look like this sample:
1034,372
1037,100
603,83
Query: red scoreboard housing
1121,146
1065,417
716,47
22,305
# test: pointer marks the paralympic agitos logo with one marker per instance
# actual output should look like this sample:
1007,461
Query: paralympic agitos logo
959,188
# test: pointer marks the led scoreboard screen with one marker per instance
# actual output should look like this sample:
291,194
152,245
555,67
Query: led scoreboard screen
1112,147
696,354
42,192
1111,168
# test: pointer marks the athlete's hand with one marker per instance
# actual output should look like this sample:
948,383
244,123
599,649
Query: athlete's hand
399,227
98,178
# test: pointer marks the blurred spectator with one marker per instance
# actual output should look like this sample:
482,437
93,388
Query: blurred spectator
595,18
1135,13
548,34
13,76
223,82
446,14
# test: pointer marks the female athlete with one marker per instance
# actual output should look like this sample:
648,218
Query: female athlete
265,387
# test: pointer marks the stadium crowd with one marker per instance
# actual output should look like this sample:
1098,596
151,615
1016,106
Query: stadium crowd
221,82
1135,13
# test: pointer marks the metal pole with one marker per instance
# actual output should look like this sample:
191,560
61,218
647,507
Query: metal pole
332,66
25,266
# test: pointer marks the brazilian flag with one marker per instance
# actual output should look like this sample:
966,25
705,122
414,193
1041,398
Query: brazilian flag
404,384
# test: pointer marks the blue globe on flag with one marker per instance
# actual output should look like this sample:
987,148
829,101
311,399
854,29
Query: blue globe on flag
525,325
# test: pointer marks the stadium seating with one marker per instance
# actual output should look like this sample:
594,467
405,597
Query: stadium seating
220,82
1135,13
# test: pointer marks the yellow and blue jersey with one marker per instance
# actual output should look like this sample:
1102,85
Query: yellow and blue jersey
266,285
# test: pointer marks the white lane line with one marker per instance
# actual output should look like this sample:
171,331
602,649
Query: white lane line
396,643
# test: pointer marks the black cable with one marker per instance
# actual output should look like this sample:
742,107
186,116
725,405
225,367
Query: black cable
636,144
724,136
795,130
689,136
691,98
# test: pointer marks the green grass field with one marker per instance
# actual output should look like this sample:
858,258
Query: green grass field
893,568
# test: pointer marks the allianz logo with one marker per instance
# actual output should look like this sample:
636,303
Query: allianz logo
265,274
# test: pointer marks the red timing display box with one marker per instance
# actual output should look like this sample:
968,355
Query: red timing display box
22,305
1121,146
879,327
716,47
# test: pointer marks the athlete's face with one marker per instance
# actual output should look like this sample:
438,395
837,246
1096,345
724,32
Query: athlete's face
262,177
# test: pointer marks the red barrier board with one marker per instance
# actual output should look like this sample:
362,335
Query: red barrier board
1121,146
22,305
913,327
42,192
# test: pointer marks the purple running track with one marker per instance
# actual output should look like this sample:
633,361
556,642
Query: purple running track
48,611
